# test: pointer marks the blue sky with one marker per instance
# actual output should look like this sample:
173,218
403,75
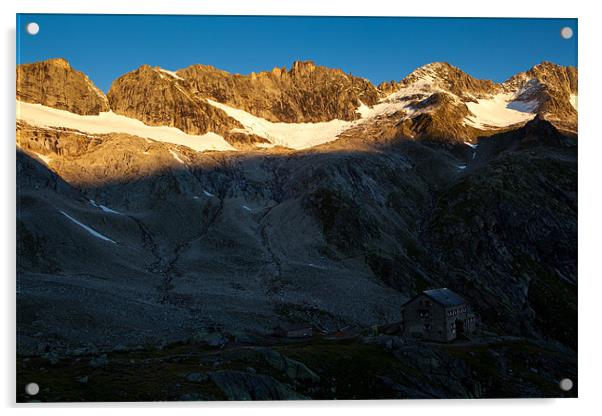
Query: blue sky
380,49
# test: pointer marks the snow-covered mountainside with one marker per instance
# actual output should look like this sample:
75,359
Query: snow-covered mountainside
108,122
455,106
499,110
208,109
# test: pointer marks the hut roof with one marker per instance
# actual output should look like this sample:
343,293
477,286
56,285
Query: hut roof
445,297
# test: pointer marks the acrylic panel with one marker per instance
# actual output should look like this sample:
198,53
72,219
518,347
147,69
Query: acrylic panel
295,208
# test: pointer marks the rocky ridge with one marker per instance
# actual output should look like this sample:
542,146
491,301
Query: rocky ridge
554,88
454,100
436,102
159,98
305,93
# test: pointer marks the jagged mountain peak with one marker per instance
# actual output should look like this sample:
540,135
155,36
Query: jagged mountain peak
475,107
547,66
428,72
143,70
61,62
159,97
303,66
55,83
552,89
548,73
297,68
167,74
556,76
436,68
442,76
305,93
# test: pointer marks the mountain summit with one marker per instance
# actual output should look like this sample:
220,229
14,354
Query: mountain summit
54,83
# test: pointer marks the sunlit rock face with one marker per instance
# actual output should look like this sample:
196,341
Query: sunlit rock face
443,103
158,98
56,84
305,93
553,88
309,105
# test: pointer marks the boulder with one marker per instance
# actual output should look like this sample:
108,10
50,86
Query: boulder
197,377
100,361
295,370
239,385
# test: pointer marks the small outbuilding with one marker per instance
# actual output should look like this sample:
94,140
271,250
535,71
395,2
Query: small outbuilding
438,315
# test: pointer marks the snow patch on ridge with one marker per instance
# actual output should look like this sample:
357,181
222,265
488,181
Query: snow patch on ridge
108,122
176,157
403,99
104,208
474,146
499,110
524,106
44,158
304,135
88,229
171,73
109,210
391,104
292,135
96,90
573,101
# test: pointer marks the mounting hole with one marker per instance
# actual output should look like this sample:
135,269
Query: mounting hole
32,28
566,384
32,389
566,32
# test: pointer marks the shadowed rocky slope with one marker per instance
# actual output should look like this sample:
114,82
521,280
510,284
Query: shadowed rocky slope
329,236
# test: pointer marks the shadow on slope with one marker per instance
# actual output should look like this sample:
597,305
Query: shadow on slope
328,238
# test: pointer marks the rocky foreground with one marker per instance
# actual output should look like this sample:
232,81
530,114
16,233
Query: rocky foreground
366,367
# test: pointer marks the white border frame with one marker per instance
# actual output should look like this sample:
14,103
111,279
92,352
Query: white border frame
590,215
